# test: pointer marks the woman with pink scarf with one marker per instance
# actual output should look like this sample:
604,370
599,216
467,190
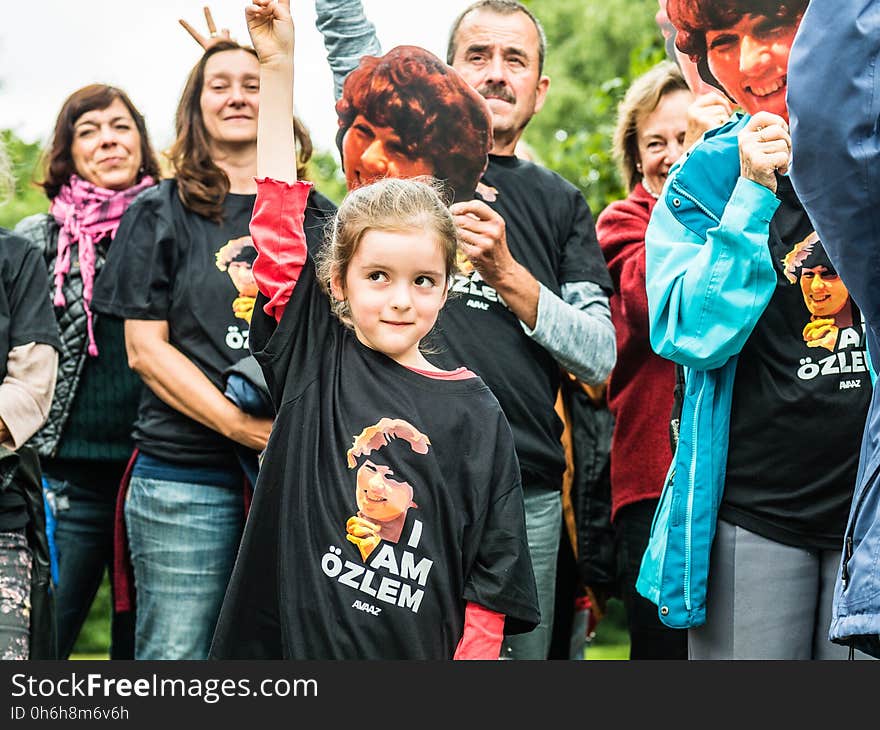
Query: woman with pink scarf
99,160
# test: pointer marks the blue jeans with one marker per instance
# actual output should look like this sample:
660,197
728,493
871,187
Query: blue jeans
543,509
84,520
183,539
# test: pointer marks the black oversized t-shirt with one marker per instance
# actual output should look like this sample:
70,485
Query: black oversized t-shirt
550,231
800,397
168,263
306,585
25,316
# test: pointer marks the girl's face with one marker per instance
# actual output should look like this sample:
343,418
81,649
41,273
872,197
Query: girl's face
230,99
395,285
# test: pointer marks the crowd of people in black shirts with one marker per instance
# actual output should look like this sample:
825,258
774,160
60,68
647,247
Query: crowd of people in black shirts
437,421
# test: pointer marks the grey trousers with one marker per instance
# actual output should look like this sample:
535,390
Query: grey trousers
766,600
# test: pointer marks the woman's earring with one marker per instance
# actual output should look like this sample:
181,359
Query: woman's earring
639,166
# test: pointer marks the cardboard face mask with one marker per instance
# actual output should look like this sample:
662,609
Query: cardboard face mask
407,114
739,46
688,68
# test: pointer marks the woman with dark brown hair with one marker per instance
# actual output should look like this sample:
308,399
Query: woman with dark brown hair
98,161
184,510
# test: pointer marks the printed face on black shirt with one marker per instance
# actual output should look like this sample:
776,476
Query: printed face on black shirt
801,378
383,491
381,494
825,295
236,258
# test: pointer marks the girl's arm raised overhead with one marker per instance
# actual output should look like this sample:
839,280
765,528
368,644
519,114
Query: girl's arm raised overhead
271,29
277,223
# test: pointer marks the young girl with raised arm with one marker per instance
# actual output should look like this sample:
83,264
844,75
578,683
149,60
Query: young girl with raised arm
388,518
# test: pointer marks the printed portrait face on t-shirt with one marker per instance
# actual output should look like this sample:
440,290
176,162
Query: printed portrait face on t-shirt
407,114
825,295
740,46
383,454
236,258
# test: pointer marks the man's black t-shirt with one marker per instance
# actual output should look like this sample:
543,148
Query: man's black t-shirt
25,316
168,263
550,231
312,580
800,397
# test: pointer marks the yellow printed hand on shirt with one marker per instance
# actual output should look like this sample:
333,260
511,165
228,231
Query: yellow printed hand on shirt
821,333
364,534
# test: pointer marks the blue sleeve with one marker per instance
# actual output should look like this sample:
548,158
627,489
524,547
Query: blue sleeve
834,107
348,36
706,295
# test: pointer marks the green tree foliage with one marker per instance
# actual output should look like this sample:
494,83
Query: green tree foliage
27,197
324,171
595,49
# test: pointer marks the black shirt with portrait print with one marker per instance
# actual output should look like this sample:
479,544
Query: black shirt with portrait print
550,231
25,316
304,587
798,410
164,265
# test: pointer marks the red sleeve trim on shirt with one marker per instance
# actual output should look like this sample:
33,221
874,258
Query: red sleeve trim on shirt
277,232
483,634
461,373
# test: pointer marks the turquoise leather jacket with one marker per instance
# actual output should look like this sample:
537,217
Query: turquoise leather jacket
709,278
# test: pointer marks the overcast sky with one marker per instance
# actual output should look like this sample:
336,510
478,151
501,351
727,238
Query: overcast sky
52,47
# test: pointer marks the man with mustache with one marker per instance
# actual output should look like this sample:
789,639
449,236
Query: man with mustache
538,296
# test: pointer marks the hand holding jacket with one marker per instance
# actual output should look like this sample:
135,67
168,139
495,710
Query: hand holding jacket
710,278
764,149
709,271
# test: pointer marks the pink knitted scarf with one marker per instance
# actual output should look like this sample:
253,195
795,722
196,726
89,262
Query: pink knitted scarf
86,213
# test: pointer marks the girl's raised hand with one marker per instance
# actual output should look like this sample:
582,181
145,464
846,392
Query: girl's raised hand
271,29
